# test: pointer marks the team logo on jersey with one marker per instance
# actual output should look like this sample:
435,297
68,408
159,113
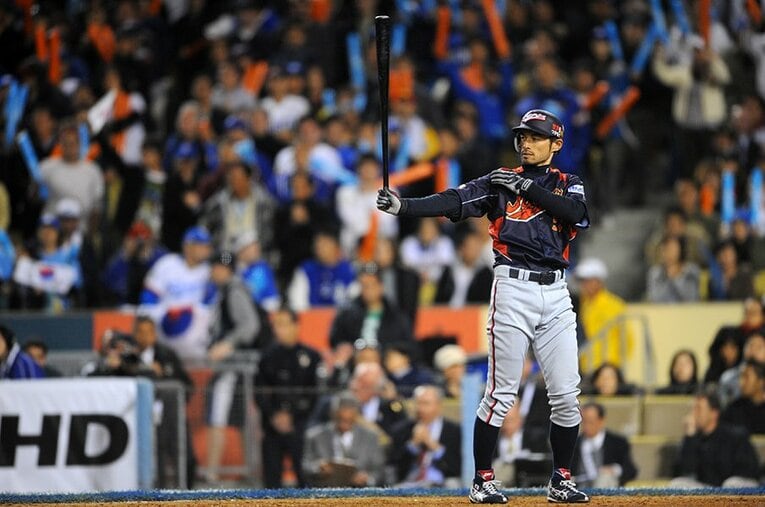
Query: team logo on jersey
533,115
522,210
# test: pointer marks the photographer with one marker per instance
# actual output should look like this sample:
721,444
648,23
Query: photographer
141,355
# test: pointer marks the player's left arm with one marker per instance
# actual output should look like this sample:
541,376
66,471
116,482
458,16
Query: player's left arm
571,207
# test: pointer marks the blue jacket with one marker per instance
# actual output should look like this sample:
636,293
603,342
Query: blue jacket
19,365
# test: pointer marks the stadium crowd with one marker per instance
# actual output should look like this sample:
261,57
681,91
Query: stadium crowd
214,166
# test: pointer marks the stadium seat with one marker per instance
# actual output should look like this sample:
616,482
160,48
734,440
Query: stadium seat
663,415
654,456
622,413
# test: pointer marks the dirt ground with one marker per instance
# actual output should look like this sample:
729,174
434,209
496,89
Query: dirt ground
674,501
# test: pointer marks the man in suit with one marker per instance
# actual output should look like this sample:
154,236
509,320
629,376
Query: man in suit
333,448
602,458
748,410
427,451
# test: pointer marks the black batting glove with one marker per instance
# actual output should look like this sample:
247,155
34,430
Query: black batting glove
514,182
388,201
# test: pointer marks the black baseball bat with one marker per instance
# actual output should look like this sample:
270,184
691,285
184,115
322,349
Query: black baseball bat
382,36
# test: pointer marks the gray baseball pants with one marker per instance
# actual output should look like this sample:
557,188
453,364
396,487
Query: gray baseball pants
523,313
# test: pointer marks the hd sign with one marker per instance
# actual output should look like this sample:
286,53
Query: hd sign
75,435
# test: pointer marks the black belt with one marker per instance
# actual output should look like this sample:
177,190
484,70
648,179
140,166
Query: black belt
542,278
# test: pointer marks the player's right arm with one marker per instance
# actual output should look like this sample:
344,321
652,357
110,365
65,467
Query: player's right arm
471,199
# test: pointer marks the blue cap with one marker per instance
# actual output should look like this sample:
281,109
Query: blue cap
186,150
233,123
49,220
197,235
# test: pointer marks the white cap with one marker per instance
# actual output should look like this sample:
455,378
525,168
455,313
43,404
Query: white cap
68,208
449,355
590,268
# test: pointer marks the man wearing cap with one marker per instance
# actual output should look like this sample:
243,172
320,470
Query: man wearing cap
176,295
598,308
450,360
535,212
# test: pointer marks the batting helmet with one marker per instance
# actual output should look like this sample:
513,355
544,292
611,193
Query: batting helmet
540,121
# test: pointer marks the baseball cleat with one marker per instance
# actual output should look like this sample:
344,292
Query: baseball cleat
486,492
561,489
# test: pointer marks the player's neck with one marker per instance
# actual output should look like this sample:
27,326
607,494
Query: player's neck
534,169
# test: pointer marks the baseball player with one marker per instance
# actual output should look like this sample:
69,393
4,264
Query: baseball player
535,211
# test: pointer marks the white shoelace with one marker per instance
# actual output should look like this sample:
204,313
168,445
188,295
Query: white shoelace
491,486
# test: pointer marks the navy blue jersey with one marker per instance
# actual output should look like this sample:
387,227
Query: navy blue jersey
525,235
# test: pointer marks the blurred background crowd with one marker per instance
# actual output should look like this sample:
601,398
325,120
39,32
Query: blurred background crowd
214,165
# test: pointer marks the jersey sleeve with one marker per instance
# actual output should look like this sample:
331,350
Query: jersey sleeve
476,198
575,190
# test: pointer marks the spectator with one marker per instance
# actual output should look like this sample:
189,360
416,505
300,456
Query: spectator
310,154
608,380
126,270
286,385
676,224
296,223
256,273
683,376
46,275
284,109
748,410
599,311
181,202
242,207
602,458
688,199
343,452
427,252
380,407
467,280
698,103
234,325
326,279
728,280
742,236
38,351
729,386
511,446
400,283
724,353
358,212
181,310
713,454
450,361
161,363
344,361
370,318
190,136
79,249
725,350
400,362
228,94
72,176
427,451
673,280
